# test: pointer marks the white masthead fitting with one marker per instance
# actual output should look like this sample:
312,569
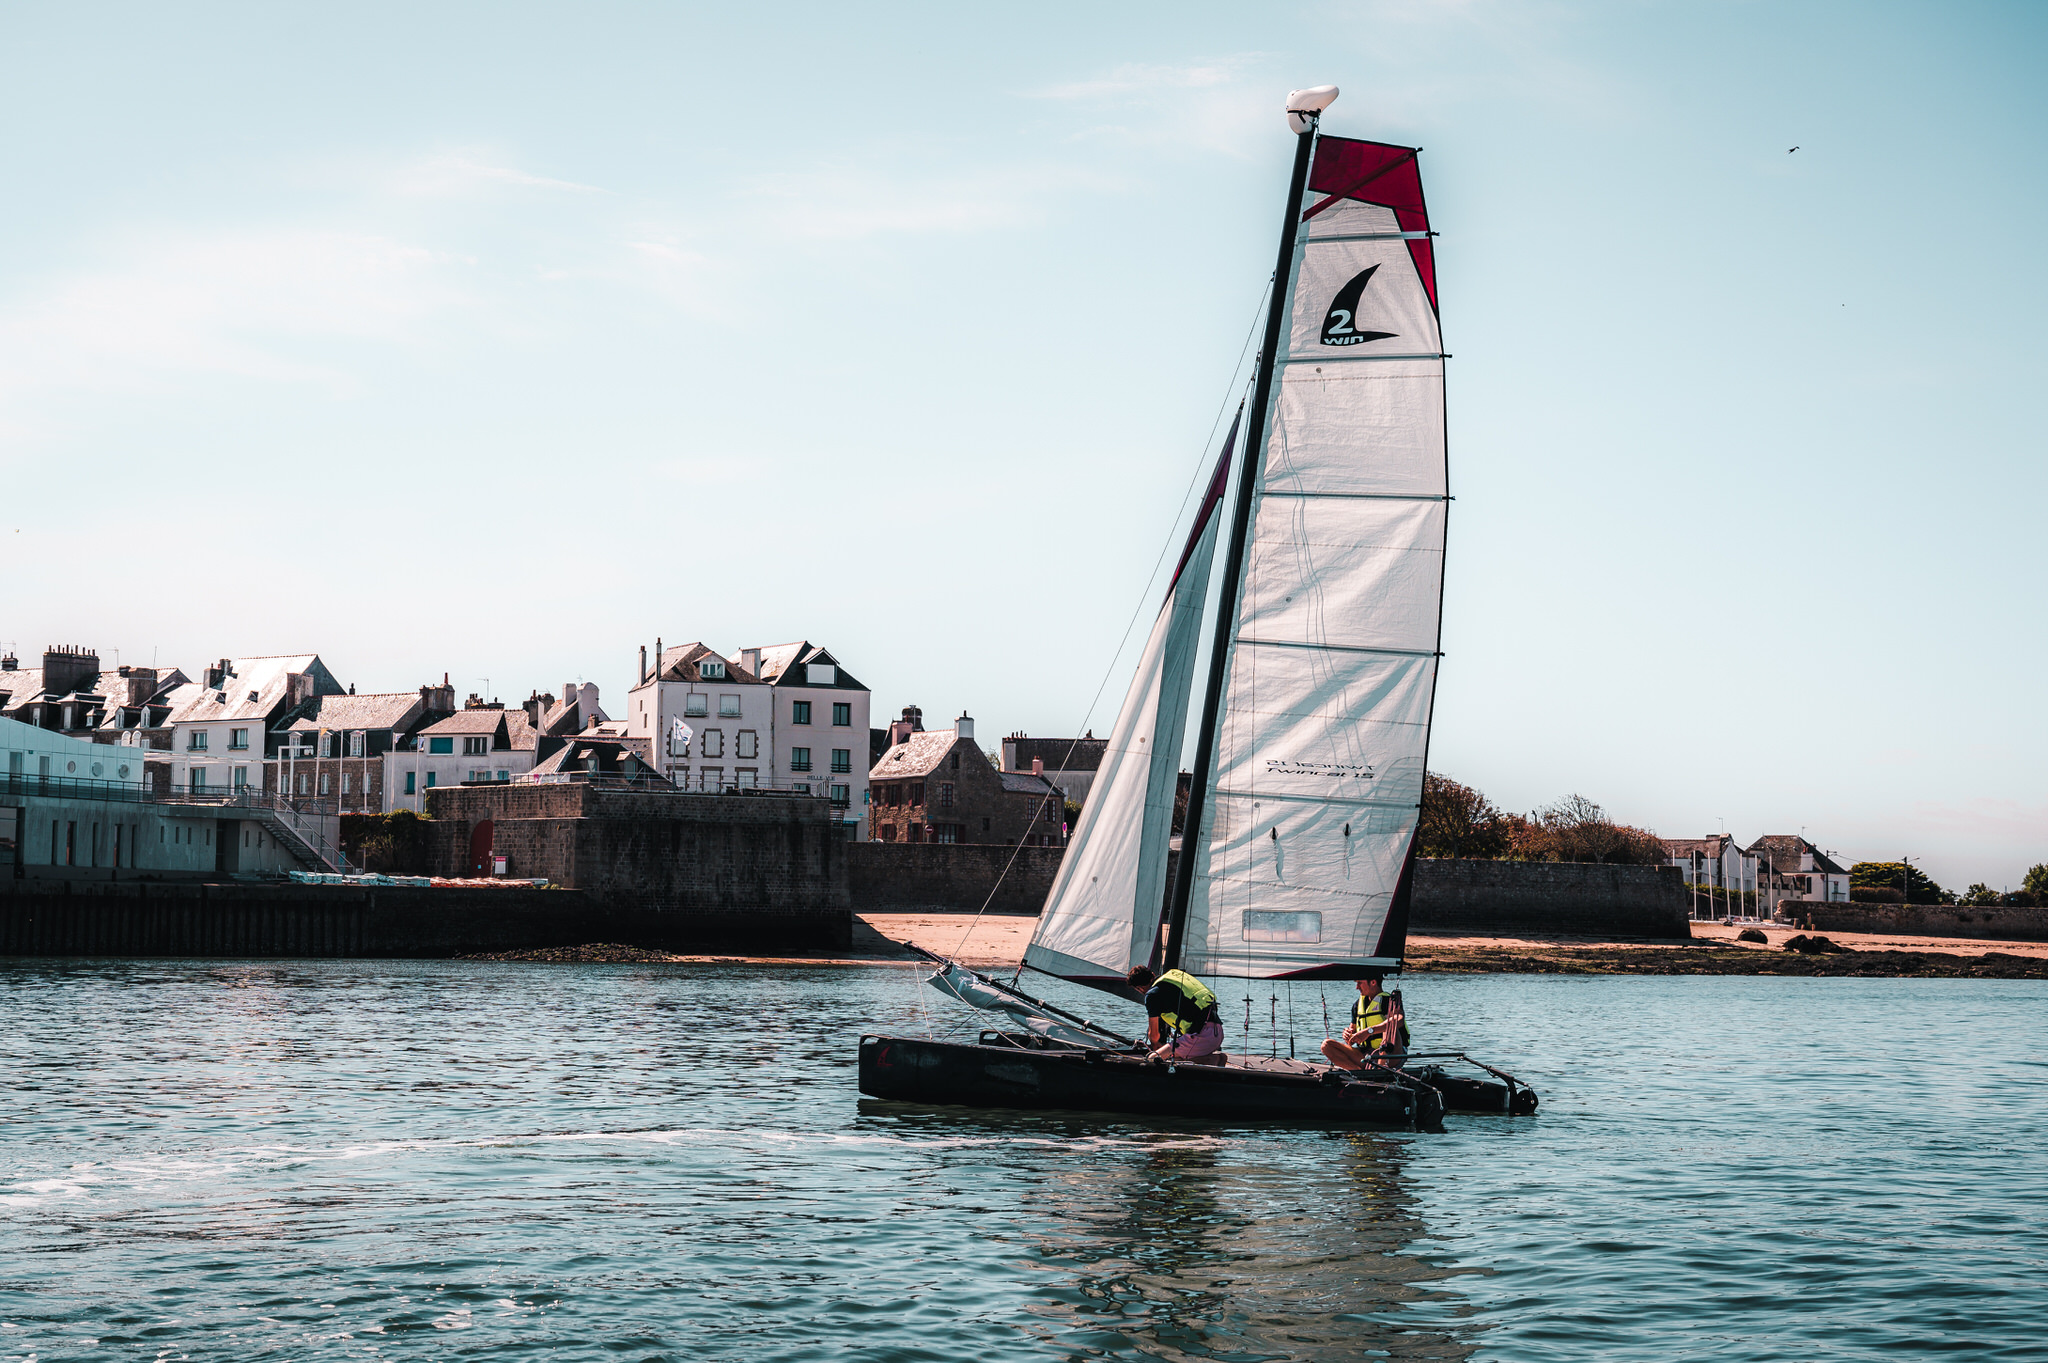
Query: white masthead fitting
1302,104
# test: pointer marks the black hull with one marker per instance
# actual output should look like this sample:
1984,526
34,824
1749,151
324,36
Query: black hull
915,1071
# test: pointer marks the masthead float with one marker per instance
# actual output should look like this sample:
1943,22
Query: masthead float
1313,732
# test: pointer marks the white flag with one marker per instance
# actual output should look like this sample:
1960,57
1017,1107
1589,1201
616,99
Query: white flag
680,732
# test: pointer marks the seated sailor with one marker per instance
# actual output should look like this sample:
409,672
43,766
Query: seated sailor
1378,1034
1183,1021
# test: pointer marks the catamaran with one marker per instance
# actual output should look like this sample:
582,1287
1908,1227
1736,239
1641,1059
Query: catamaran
1298,857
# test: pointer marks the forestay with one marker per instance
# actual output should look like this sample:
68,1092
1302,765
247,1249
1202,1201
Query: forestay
1315,786
1103,914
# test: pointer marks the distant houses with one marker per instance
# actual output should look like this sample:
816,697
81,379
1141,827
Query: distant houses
1755,881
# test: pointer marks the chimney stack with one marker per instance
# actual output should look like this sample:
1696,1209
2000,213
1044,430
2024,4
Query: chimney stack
964,726
643,663
1038,766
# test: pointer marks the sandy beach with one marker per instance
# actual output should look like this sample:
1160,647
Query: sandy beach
996,941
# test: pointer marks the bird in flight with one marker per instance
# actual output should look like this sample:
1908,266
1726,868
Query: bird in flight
1790,150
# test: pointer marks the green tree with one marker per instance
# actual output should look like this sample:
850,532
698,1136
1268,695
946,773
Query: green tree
1979,895
1892,875
2036,883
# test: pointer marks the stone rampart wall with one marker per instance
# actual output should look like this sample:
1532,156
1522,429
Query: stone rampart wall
1923,920
1469,895
238,920
730,860
1450,896
884,876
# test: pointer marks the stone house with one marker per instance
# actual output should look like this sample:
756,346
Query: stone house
937,785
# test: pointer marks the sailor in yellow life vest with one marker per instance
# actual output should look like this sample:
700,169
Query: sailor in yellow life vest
1378,1034
1184,1023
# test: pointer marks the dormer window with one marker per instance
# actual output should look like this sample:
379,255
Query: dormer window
711,670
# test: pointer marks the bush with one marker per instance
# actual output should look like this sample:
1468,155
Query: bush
1875,894
1892,875
394,843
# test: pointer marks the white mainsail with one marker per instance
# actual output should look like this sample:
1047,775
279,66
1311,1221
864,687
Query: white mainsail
1315,783
1103,914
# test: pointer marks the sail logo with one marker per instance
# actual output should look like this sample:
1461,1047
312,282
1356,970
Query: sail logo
1340,322
1340,771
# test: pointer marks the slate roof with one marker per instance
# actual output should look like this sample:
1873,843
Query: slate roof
680,664
1058,754
252,689
1784,849
24,686
1712,848
918,755
613,758
1024,783
340,714
479,721
781,665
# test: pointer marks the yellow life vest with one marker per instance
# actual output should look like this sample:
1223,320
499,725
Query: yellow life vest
1201,1002
1372,1014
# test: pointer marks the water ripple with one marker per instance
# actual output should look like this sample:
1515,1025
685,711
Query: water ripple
257,1161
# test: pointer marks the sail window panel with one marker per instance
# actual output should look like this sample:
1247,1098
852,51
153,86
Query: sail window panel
1358,429
1309,725
1339,310
1347,218
1256,896
1349,574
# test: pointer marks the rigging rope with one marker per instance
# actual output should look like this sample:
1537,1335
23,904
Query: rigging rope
1137,611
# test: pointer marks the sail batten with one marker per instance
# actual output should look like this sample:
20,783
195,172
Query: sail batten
1328,651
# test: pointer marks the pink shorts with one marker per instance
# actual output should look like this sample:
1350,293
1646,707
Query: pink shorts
1207,1041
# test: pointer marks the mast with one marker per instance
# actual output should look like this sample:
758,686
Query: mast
1304,123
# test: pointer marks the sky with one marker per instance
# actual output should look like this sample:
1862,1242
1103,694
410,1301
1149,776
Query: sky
498,340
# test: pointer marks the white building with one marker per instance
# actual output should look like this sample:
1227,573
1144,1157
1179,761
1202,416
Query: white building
708,721
73,809
221,724
786,716
1794,869
476,743
1717,863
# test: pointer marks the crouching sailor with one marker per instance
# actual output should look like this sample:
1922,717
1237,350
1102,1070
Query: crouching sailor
1378,1034
1184,1023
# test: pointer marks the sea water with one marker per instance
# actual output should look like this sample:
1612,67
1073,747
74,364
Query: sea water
369,1159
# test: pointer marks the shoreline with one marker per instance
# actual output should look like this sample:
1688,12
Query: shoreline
996,941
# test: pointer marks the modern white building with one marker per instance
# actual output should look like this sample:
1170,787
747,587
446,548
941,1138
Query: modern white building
73,809
786,716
